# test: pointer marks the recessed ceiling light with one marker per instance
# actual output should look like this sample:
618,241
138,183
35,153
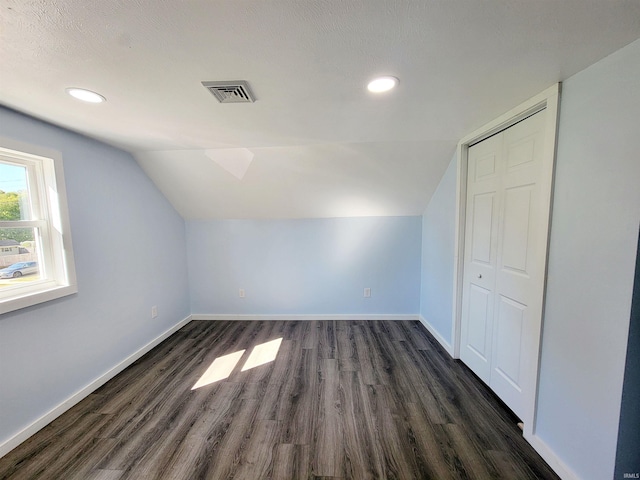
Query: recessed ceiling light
86,95
382,84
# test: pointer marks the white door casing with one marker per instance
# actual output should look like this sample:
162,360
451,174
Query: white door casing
513,278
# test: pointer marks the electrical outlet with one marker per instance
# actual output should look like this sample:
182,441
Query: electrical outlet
241,293
154,311
367,292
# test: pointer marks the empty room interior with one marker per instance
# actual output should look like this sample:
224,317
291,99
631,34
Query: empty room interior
330,239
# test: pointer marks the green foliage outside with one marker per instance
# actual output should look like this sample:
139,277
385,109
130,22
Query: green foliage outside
10,210
9,205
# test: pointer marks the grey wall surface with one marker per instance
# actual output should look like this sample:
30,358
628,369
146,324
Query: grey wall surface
129,253
628,452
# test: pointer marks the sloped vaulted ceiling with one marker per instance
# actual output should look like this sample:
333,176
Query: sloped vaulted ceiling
315,143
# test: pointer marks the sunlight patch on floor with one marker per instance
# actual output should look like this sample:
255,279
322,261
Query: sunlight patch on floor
263,353
220,369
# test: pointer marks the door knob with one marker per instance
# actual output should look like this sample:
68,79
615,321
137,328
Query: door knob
479,275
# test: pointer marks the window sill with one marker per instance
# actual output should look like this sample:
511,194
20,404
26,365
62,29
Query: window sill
34,298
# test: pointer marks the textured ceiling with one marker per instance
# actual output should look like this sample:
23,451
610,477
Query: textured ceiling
316,143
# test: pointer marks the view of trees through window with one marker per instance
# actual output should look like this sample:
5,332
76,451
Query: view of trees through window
18,252
10,209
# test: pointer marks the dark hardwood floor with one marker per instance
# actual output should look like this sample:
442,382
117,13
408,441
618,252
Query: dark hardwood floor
342,400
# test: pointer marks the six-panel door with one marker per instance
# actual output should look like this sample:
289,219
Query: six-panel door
502,258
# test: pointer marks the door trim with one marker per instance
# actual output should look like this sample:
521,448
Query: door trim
548,99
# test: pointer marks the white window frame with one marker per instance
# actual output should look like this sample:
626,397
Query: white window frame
49,214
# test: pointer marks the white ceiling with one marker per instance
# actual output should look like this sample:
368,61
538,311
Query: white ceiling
316,143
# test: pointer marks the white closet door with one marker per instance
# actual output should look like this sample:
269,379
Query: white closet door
481,254
504,259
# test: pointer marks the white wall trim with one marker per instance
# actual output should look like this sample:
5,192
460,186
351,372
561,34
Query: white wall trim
288,316
446,345
55,412
558,466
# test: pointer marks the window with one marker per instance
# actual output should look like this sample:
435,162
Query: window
36,256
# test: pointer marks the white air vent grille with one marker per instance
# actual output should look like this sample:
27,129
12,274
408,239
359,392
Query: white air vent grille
230,92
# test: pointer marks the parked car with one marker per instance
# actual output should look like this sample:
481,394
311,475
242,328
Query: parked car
19,269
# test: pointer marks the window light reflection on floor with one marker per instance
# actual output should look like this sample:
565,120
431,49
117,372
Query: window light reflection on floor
220,369
263,353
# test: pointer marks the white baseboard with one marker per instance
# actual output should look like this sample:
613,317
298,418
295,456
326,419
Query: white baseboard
558,466
549,456
446,345
346,316
54,413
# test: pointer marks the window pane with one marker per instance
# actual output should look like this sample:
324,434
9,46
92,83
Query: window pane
19,262
14,197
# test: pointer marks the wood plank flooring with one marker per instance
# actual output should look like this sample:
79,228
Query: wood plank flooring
342,400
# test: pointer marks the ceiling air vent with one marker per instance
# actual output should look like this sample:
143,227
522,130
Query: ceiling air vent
230,92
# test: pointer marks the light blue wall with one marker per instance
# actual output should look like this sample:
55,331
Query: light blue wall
129,253
312,266
438,250
592,254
